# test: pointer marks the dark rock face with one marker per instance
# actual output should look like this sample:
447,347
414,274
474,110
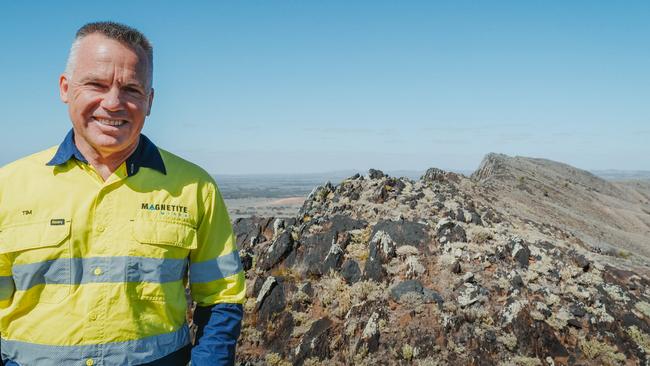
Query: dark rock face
434,175
279,250
276,336
253,230
404,232
323,251
384,270
521,253
455,267
374,269
449,231
536,338
581,262
315,249
375,174
315,343
350,271
246,260
272,303
415,287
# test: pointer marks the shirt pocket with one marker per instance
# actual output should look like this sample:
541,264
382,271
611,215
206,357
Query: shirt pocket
158,259
40,252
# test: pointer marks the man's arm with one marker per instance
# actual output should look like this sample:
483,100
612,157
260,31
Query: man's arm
217,284
218,328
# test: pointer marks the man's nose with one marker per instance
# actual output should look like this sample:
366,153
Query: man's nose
111,100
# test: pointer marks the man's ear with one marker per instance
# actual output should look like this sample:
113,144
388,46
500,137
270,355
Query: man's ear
150,101
63,88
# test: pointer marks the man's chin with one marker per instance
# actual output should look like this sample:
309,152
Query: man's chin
108,145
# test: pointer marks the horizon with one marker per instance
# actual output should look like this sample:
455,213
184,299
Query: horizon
280,87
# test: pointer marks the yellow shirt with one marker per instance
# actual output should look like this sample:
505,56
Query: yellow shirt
93,272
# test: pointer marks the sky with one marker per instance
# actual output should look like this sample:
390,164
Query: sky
251,87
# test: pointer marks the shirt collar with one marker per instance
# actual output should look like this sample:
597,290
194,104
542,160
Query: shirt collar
146,155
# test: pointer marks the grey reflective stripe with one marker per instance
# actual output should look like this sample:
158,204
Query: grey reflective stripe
6,287
134,352
76,271
215,269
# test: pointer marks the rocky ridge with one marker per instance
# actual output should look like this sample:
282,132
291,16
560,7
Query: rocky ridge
442,270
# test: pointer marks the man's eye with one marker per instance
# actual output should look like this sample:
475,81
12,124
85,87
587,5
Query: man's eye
133,90
95,85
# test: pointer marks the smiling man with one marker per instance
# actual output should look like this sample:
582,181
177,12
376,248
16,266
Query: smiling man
100,234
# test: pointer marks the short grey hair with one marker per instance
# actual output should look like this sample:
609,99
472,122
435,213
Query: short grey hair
124,34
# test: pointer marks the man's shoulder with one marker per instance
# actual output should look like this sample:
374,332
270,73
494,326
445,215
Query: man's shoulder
177,166
30,163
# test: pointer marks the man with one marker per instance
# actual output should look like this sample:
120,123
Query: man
97,234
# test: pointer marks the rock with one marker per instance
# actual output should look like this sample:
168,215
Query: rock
270,301
278,225
276,337
341,223
316,247
536,338
246,258
517,282
431,296
414,287
375,174
414,268
385,244
574,323
279,250
577,310
370,335
460,215
455,267
405,233
521,253
333,259
433,175
449,231
582,262
306,288
252,230
265,290
476,219
405,287
315,343
469,294
468,277
373,269
350,271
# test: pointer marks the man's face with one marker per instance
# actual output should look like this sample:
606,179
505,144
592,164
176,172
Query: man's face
108,95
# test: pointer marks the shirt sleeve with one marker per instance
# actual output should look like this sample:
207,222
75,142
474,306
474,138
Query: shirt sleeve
7,286
217,284
218,328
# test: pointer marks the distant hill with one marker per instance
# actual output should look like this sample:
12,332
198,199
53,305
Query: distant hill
619,175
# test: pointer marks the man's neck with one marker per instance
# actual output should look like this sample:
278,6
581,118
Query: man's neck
105,164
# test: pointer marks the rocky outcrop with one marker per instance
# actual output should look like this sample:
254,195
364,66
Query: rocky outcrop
390,271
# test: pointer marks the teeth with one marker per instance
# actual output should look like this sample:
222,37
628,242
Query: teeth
110,122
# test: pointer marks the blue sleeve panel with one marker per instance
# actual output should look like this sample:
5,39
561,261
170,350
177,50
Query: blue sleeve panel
216,337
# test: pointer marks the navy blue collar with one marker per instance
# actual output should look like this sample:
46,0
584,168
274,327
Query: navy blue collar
146,155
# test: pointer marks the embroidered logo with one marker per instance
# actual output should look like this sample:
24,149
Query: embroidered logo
165,209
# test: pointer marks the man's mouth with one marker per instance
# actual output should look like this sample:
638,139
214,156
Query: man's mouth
110,122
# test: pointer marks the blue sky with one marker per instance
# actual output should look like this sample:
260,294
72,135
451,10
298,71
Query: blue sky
316,86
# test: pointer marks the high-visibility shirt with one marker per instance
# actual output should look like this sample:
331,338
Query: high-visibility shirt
93,272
